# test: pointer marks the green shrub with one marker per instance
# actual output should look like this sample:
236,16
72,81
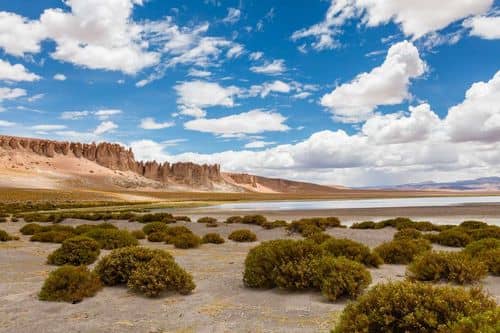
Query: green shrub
473,225
173,232
365,225
401,251
213,238
144,270
83,228
153,227
110,239
30,229
321,223
408,233
453,237
319,237
157,237
254,219
340,277
70,284
154,217
186,241
242,235
138,234
282,263
274,224
234,219
398,223
476,248
51,236
455,267
207,219
308,230
4,236
425,226
484,322
182,218
488,232
76,251
491,258
399,307
351,250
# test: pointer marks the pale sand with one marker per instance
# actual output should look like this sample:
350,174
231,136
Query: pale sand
220,303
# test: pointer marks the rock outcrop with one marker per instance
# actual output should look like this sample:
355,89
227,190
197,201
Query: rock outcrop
117,157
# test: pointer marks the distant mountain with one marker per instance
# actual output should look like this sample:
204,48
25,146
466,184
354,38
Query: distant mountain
479,184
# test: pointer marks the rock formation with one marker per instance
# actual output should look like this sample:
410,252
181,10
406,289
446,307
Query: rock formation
116,157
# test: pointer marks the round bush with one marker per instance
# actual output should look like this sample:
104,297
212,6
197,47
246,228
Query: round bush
282,263
340,277
242,235
186,241
212,238
84,228
492,260
401,251
254,219
351,250
155,227
488,232
408,233
51,236
4,236
453,237
207,219
319,237
138,234
30,229
157,237
173,232
234,219
75,251
411,307
364,225
473,224
110,239
484,322
477,247
70,284
308,230
274,224
147,271
448,266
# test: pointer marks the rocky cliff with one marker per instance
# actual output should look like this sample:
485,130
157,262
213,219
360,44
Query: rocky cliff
117,157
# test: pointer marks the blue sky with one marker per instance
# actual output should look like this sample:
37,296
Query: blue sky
350,92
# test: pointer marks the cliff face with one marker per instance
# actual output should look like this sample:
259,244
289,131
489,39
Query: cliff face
116,157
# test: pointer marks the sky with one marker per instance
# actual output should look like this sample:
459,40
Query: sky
339,92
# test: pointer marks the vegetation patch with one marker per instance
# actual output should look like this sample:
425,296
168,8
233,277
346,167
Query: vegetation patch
70,284
484,322
110,239
412,307
274,224
242,235
317,223
52,236
157,237
138,234
408,233
154,227
319,237
351,250
207,219
75,251
186,241
452,237
4,236
83,228
212,238
402,251
234,219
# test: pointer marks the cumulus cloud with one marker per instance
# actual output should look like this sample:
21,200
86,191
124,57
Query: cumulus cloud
233,16
252,122
104,127
386,84
199,73
11,93
271,68
487,27
17,72
266,88
477,118
60,77
19,35
151,124
416,18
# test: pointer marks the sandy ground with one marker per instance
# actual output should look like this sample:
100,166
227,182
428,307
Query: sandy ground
220,302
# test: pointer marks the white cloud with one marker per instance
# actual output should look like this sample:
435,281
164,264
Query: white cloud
48,127
269,87
233,16
192,111
258,144
104,127
11,93
252,122
193,96
477,118
487,27
60,77
151,124
18,35
35,98
302,95
384,85
5,123
148,150
235,51
107,113
256,55
74,115
199,73
17,72
416,18
270,68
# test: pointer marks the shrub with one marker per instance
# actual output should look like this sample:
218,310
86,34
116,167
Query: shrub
207,219
182,218
4,236
484,322
75,251
153,217
320,222
83,228
425,226
411,307
138,234
173,232
51,236
110,239
274,224
144,270
473,225
453,237
30,229
157,237
351,250
310,229
492,260
242,235
340,277
234,219
401,251
155,227
488,232
477,247
398,223
281,263
365,225
212,238
449,266
186,241
409,233
319,237
70,284
254,219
